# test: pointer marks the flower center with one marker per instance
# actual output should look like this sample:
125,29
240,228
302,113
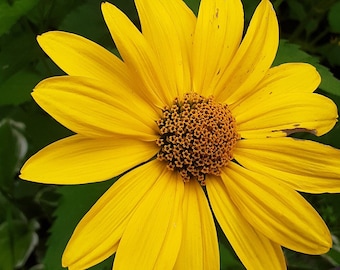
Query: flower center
197,136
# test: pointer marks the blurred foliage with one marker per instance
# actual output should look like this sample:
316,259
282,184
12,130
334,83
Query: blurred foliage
36,220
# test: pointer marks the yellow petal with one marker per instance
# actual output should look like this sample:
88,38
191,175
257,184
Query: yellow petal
199,248
87,107
304,165
79,56
277,211
285,78
153,235
255,251
282,115
253,58
217,36
79,160
138,56
97,235
168,26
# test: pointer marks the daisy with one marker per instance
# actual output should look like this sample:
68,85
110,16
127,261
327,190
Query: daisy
197,118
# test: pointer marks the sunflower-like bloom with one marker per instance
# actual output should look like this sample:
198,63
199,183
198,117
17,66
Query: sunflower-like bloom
199,114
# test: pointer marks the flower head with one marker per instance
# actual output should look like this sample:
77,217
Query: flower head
192,106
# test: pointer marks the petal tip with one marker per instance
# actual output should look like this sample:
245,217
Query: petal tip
105,6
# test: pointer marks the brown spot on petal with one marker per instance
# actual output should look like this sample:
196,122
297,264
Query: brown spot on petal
217,11
296,130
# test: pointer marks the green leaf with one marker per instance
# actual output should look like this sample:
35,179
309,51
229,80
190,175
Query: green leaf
289,52
86,20
333,256
17,240
297,10
193,5
74,203
249,7
332,52
300,261
17,52
228,259
13,148
17,88
334,18
41,129
11,11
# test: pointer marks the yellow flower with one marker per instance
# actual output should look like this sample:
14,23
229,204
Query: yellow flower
191,107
